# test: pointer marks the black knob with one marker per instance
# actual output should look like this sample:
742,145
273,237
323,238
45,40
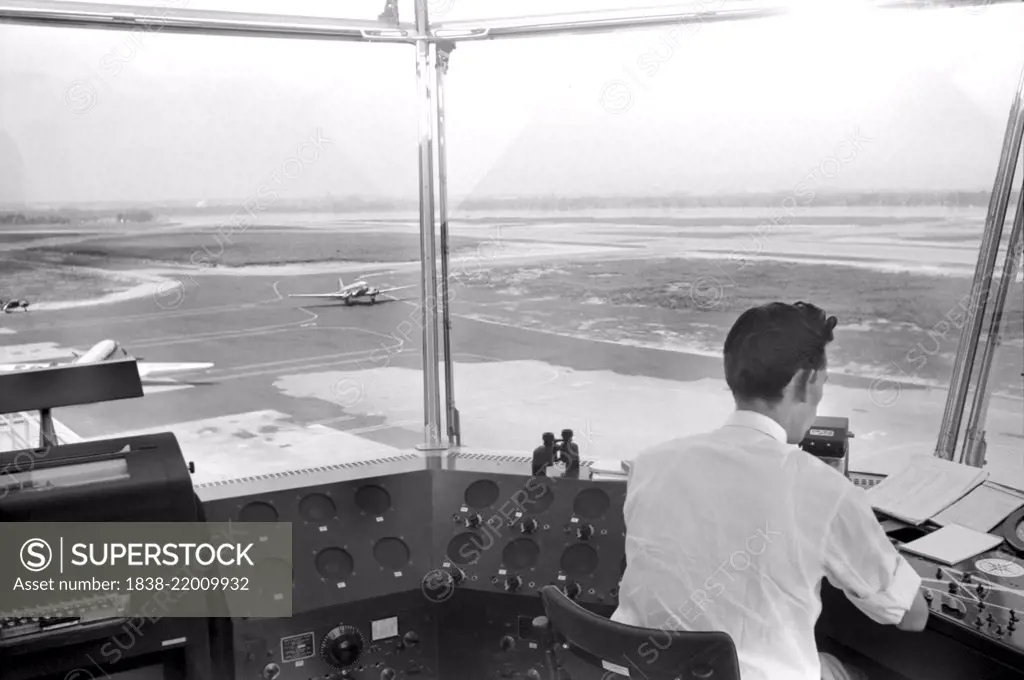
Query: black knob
513,583
1013,615
584,532
572,590
528,526
271,671
981,605
473,521
388,674
999,630
952,588
507,642
978,622
1011,626
411,639
928,597
990,618
342,646
938,573
458,576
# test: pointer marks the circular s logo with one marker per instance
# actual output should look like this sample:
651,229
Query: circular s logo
36,554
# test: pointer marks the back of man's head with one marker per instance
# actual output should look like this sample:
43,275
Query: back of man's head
775,362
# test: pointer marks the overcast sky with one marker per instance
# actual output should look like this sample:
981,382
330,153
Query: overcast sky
95,115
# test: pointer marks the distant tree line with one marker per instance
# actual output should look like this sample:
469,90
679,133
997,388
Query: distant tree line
22,218
71,215
805,199
135,216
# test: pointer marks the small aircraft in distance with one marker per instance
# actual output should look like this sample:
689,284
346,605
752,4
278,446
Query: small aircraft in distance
10,305
106,350
353,292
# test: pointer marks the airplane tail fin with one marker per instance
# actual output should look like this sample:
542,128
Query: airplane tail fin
341,284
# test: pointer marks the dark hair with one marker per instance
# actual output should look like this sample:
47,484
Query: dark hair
770,344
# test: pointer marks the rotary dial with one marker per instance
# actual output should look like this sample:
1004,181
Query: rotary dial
342,647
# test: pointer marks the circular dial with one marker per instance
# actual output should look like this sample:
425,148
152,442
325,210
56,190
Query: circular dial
1013,531
342,646
999,567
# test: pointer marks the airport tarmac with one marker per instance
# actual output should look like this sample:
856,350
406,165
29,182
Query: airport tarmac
298,385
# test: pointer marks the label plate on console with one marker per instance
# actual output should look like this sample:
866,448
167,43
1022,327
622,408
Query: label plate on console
297,647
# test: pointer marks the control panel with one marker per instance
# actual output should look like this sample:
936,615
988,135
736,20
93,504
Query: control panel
378,639
984,594
517,534
494,637
351,540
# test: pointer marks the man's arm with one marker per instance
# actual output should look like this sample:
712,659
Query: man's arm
861,561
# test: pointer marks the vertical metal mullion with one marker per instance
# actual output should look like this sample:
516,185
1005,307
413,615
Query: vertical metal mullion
444,50
974,438
959,382
428,260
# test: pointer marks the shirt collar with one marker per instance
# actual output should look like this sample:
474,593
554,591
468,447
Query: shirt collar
755,421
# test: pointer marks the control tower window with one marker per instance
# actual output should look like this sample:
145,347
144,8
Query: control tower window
242,215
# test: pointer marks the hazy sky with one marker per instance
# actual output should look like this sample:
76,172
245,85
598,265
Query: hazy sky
95,115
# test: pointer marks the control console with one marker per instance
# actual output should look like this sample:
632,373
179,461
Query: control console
516,534
975,626
378,639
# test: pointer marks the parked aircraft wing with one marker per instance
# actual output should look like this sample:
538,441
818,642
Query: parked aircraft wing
151,370
6,368
392,290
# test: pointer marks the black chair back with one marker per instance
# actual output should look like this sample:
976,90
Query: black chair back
588,646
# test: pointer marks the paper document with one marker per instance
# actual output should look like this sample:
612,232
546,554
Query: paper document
608,467
952,544
923,489
983,509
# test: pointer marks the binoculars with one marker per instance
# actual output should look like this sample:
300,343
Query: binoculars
552,451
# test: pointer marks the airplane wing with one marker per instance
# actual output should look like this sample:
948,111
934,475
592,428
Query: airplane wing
392,290
327,296
9,368
152,370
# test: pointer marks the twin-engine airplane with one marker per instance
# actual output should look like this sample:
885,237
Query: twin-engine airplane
106,350
353,292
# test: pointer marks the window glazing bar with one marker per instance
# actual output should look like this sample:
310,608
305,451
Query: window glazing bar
174,20
707,11
967,350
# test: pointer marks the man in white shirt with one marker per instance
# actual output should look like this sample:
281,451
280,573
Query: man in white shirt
734,530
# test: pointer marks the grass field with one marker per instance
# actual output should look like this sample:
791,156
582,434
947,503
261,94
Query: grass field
51,279
889,323
206,248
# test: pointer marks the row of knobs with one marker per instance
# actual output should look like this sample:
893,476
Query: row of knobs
529,526
514,583
953,606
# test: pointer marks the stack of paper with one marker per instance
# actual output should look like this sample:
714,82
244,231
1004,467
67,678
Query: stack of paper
609,471
953,544
923,489
983,509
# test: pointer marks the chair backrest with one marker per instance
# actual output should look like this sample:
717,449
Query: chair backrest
587,645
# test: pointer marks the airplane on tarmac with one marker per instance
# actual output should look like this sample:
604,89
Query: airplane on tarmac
353,292
9,306
106,350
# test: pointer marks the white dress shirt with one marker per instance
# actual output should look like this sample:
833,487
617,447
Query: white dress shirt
733,531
